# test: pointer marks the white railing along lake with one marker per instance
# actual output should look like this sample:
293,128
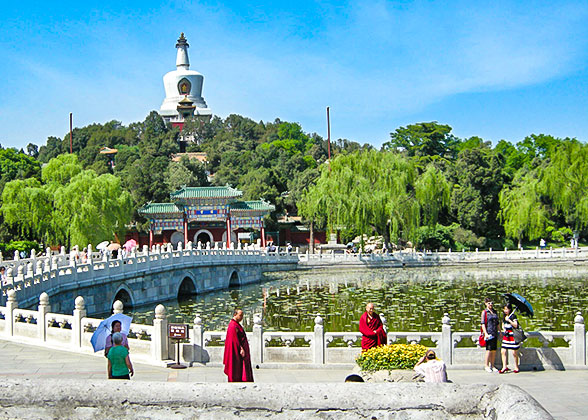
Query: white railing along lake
149,343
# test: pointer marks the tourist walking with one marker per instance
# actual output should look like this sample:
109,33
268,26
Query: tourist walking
237,358
115,328
119,361
371,328
433,369
490,330
508,339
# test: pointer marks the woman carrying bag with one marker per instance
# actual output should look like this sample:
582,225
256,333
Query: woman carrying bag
509,342
490,331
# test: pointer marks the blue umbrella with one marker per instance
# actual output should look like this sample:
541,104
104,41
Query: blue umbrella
98,339
520,303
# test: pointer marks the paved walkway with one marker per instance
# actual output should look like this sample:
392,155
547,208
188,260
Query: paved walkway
563,394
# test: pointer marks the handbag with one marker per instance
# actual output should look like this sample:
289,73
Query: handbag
519,335
482,338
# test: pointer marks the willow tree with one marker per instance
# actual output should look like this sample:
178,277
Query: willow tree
374,191
565,182
521,210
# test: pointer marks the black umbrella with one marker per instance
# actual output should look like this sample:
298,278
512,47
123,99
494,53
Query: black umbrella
519,303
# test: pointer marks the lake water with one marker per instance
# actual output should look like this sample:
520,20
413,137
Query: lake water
411,299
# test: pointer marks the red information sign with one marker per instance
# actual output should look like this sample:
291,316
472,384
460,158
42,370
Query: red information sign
177,331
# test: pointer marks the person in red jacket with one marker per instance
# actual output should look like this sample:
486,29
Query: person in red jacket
237,358
372,329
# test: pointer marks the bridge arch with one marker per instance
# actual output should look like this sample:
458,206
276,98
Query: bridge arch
186,288
234,279
125,297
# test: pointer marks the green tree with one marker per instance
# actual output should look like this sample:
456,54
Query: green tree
429,140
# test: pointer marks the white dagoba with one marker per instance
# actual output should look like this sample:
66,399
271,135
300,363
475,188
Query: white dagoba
180,84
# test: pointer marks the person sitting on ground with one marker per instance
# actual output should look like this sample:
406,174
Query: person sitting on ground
433,369
119,362
115,327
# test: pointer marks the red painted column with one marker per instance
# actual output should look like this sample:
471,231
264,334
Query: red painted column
262,236
185,232
228,232
150,237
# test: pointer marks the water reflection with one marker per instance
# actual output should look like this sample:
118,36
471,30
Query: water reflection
411,299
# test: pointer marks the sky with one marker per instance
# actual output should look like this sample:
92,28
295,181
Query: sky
493,69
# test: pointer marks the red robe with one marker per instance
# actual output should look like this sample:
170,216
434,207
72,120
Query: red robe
237,368
367,328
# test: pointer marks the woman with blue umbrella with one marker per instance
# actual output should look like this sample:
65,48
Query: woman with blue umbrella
102,337
513,303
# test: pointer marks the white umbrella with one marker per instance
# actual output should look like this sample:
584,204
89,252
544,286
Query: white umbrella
102,245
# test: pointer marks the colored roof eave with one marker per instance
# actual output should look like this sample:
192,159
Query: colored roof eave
206,192
260,205
160,208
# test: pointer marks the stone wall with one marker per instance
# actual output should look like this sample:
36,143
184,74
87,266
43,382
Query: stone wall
71,399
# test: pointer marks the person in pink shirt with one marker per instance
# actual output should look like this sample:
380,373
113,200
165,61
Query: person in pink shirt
114,328
433,369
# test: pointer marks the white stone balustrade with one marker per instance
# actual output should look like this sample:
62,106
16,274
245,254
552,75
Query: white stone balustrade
149,343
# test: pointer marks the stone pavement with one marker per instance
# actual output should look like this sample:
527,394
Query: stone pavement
563,393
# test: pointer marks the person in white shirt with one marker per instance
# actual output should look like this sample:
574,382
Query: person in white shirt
433,369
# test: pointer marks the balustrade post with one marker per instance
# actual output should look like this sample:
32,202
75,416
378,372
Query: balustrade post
550,252
257,343
579,343
446,343
117,307
159,341
318,342
536,252
39,268
76,328
198,340
20,273
16,256
11,305
42,311
62,251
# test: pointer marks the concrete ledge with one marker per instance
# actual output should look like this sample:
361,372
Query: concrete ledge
73,399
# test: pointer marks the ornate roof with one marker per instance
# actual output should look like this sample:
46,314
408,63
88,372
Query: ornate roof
259,205
160,208
206,192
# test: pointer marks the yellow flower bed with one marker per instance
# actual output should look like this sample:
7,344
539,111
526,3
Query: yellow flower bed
393,356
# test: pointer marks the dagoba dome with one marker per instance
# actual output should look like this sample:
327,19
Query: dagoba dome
180,84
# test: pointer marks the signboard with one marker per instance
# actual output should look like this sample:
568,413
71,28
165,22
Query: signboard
245,236
177,331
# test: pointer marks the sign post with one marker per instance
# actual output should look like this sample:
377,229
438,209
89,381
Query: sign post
177,332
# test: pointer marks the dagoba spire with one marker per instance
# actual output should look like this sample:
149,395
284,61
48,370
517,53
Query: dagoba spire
183,90
182,59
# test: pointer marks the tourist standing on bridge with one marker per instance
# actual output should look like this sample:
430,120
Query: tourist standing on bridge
237,358
372,329
490,330
119,362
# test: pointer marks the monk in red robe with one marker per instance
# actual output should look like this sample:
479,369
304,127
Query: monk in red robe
370,325
237,359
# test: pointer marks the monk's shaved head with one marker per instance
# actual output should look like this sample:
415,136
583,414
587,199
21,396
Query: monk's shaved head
236,311
369,306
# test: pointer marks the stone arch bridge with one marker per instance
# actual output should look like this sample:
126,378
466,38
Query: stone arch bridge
144,278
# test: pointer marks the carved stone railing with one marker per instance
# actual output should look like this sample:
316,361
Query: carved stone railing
434,257
34,275
149,343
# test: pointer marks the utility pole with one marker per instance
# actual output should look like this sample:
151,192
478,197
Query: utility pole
329,137
70,133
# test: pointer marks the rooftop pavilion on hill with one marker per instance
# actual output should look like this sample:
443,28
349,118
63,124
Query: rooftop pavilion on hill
205,214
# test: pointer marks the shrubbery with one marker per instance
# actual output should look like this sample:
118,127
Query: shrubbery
20,246
393,356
